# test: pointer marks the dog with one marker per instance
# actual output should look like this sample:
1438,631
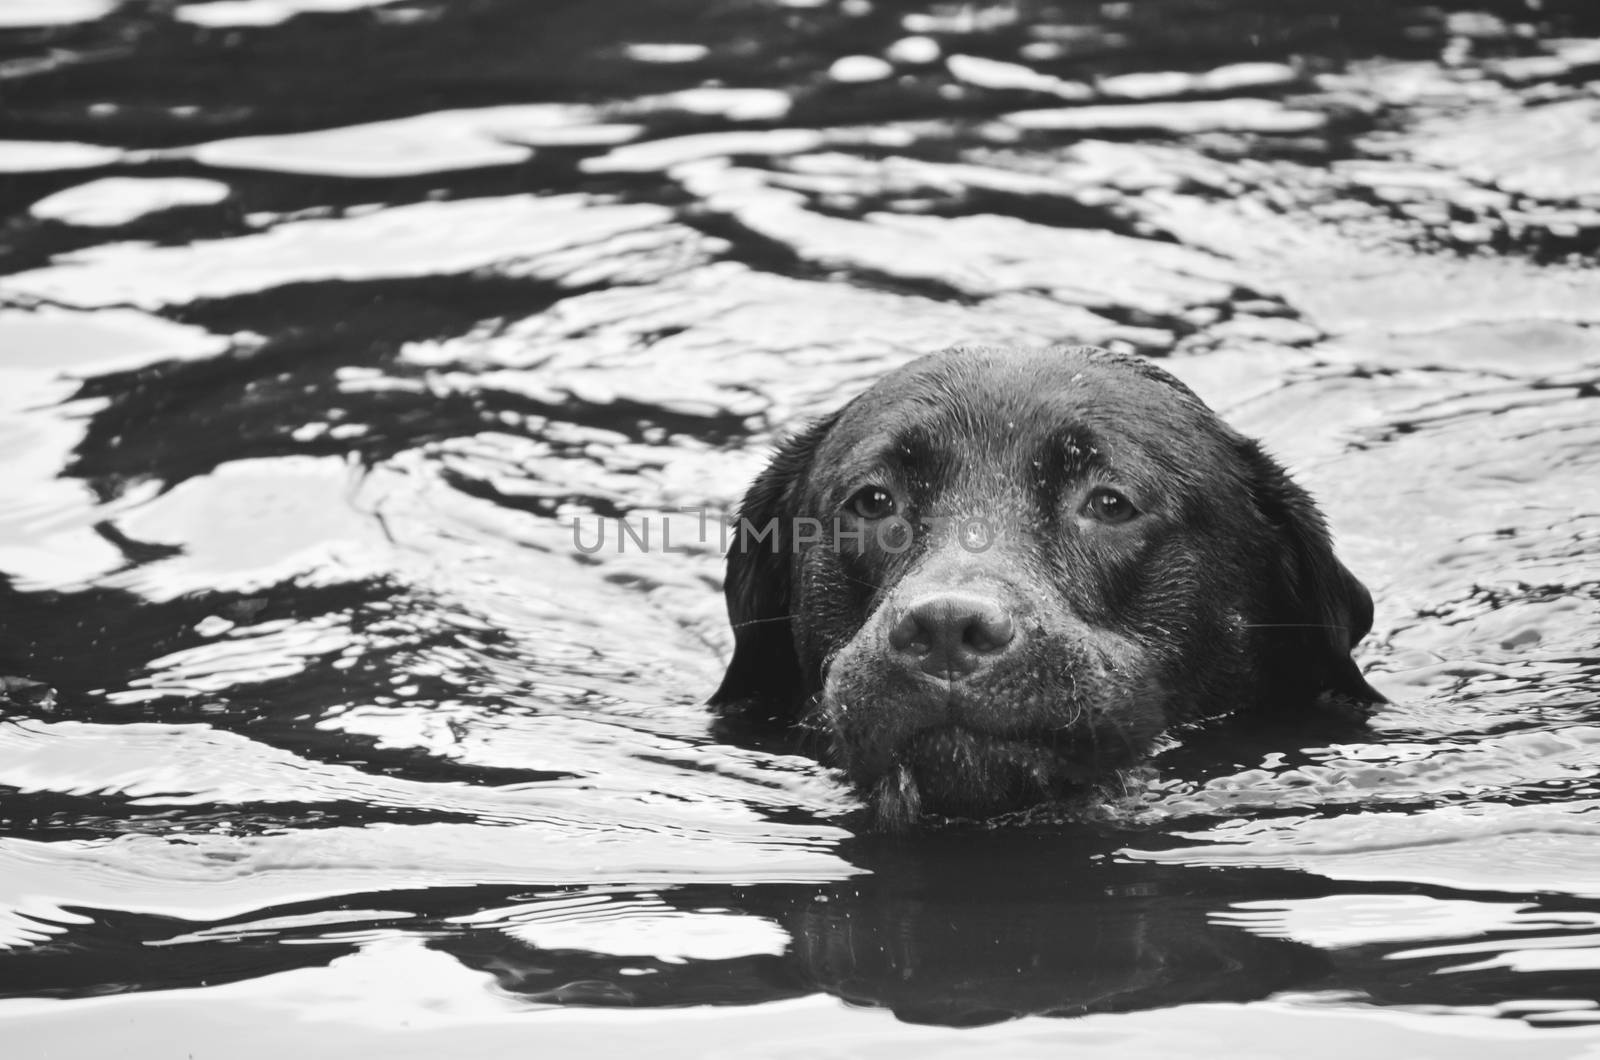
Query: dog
998,575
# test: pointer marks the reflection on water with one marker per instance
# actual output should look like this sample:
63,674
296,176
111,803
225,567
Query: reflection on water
321,323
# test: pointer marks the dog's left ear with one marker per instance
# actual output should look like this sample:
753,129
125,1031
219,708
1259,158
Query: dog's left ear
1320,611
763,678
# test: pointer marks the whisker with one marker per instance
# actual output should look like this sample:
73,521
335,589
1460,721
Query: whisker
859,581
759,621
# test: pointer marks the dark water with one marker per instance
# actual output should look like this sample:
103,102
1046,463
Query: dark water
322,323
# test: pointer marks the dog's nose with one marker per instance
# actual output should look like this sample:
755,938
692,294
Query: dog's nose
952,634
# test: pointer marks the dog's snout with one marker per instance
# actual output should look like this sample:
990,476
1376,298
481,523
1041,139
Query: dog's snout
952,634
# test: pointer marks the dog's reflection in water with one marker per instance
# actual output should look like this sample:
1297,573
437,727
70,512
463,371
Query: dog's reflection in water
956,927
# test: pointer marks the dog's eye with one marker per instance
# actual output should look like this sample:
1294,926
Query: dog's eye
1109,506
873,502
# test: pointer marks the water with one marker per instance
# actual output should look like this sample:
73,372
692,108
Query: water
322,322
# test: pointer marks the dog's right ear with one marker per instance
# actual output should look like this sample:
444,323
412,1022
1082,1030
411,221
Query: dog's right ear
764,678
1321,610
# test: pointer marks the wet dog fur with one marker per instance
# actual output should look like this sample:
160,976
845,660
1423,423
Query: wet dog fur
999,574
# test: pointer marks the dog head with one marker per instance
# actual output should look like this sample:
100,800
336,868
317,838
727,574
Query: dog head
998,574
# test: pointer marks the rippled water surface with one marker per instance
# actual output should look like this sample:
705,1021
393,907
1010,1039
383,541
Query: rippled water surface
322,323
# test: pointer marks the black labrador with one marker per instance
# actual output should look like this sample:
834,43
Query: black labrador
999,574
